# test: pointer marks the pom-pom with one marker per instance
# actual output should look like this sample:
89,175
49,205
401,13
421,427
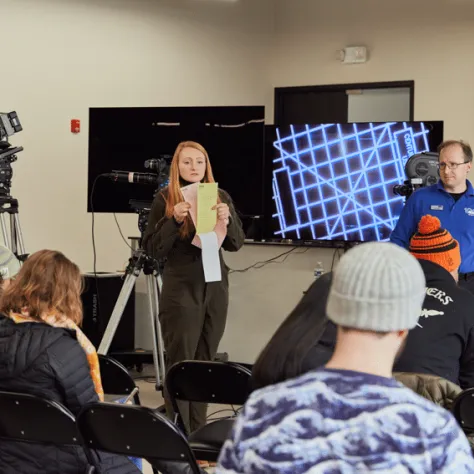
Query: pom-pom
428,224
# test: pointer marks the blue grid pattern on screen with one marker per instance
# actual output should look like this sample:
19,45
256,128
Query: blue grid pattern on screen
335,181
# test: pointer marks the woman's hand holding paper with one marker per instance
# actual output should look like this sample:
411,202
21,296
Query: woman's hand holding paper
223,212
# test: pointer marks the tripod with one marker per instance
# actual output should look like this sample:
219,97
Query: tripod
13,239
152,269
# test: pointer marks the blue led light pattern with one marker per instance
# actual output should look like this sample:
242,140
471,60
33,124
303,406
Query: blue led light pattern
335,181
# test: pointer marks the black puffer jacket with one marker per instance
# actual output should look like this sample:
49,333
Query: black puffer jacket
45,361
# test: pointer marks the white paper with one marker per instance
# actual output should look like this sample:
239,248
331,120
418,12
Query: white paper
210,257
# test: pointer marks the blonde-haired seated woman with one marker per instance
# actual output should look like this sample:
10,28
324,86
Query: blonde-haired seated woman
43,352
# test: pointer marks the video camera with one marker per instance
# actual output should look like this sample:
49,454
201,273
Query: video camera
9,125
421,170
159,179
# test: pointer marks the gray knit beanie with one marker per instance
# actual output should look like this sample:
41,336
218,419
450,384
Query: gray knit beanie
9,264
377,286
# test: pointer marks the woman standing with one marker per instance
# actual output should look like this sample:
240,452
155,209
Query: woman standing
193,313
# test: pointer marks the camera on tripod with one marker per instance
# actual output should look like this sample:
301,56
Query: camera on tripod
9,125
12,237
421,170
159,179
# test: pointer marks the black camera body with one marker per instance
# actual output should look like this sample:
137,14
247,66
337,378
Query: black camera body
408,187
159,179
9,125
421,170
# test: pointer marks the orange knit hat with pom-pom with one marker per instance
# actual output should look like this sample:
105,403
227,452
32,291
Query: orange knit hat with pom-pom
435,244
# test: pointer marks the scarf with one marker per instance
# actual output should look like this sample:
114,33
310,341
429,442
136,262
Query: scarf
87,346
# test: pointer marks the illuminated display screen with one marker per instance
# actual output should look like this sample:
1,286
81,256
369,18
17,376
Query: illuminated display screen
335,181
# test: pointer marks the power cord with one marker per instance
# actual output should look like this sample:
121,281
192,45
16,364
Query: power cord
121,233
336,252
259,265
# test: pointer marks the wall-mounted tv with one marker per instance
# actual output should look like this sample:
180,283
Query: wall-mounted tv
334,182
124,138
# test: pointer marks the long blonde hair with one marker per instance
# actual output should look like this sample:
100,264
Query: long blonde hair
174,195
47,283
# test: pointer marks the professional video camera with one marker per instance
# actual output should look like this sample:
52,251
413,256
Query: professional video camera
421,170
159,179
9,125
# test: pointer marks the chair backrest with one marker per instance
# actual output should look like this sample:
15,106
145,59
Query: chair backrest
26,417
136,431
116,379
463,410
208,382
245,365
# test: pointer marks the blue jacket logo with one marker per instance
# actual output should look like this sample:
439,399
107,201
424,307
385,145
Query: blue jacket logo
469,211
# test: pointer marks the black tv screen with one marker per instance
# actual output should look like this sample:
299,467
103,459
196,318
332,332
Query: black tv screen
334,182
124,138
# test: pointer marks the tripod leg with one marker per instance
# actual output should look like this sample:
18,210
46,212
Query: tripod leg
13,235
5,232
19,235
116,316
154,316
161,345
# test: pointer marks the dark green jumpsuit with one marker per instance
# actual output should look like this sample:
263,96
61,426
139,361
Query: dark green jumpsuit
192,313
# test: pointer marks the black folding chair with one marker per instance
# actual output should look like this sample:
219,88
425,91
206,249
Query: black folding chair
116,379
242,364
208,382
137,431
463,410
29,418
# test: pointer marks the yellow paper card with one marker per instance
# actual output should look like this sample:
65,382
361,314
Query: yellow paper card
206,200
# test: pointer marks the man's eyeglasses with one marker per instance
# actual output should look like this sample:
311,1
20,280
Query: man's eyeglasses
451,166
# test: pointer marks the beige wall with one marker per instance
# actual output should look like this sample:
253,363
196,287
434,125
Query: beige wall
428,41
64,56
61,57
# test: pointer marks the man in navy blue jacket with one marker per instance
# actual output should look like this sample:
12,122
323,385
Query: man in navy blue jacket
451,200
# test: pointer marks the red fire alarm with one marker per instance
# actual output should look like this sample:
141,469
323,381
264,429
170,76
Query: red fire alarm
75,125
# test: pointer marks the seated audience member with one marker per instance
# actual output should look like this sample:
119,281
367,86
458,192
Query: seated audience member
43,352
351,416
9,267
298,345
442,343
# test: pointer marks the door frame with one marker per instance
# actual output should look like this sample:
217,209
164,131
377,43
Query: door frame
280,92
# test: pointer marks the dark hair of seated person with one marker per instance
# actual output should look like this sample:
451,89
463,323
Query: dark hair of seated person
296,346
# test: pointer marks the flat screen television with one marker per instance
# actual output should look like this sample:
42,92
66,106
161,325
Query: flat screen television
334,182
124,138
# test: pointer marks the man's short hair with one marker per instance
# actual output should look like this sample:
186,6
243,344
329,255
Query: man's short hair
466,148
